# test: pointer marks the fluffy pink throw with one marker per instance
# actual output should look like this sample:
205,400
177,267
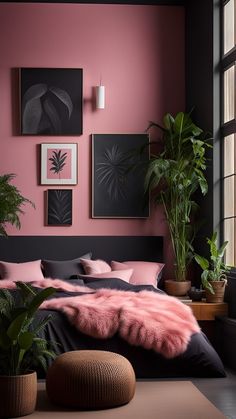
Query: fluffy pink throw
154,321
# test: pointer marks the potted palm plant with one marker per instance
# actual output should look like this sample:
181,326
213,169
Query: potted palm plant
21,350
11,202
173,176
214,271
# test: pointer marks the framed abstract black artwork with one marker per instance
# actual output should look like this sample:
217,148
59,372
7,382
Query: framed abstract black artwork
59,207
59,164
117,189
51,101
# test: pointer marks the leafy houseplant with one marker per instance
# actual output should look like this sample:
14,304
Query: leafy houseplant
21,350
11,201
214,271
173,176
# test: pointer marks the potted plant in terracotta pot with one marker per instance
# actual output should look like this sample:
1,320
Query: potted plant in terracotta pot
173,176
21,350
214,272
11,202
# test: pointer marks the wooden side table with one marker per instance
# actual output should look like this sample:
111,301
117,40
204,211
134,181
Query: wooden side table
205,314
207,311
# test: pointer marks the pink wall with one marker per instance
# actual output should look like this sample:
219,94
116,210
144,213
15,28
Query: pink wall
138,51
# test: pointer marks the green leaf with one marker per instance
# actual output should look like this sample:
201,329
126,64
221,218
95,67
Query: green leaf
203,262
179,121
25,340
222,249
168,121
5,341
16,326
39,298
26,289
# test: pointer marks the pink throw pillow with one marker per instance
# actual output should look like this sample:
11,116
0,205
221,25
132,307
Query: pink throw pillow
97,266
23,272
123,274
144,273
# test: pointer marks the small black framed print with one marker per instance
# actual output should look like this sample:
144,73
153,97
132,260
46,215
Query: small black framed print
59,207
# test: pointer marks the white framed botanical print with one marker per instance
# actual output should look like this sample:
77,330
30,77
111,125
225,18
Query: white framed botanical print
59,164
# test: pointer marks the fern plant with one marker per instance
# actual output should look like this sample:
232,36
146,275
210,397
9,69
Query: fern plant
11,202
21,349
173,176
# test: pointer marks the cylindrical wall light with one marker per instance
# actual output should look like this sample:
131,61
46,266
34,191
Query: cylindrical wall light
100,97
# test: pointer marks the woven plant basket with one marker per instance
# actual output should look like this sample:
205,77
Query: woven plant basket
18,395
219,289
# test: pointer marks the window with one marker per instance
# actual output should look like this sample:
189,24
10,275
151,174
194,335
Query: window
228,125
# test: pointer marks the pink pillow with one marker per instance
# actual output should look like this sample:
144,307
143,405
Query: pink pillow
124,274
144,273
24,272
95,266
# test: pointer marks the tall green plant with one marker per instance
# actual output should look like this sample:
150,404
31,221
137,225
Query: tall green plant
173,176
11,202
21,349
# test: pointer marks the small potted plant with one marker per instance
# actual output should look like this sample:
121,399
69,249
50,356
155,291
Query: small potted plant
11,202
21,350
214,272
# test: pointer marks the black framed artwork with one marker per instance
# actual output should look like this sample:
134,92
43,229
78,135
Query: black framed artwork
51,101
59,207
118,189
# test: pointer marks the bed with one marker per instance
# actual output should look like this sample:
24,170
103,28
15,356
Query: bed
199,358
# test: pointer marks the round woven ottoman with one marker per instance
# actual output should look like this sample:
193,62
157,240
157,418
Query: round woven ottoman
90,380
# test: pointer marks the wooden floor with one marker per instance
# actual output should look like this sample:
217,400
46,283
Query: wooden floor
220,391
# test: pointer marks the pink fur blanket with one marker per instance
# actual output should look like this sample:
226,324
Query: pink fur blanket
154,321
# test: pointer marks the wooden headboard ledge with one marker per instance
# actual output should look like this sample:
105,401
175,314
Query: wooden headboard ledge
25,248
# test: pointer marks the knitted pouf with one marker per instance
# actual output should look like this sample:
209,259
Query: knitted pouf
90,380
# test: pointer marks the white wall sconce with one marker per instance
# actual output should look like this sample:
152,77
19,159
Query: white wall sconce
100,97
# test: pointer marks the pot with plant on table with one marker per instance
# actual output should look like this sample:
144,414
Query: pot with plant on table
214,271
172,177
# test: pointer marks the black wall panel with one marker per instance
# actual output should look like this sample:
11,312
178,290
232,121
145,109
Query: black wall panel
25,248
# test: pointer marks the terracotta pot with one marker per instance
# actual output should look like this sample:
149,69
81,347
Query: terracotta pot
219,289
177,288
18,395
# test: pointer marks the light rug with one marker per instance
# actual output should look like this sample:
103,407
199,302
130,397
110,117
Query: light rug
152,400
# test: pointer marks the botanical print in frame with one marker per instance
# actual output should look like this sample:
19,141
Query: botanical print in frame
117,190
59,207
51,101
59,164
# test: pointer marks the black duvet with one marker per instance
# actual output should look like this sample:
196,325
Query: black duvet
199,360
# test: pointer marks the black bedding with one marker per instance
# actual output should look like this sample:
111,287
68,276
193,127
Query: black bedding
199,360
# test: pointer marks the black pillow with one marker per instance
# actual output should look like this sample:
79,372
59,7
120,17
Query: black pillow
64,269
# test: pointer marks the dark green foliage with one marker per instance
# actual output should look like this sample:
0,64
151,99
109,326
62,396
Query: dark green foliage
173,176
21,349
11,202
